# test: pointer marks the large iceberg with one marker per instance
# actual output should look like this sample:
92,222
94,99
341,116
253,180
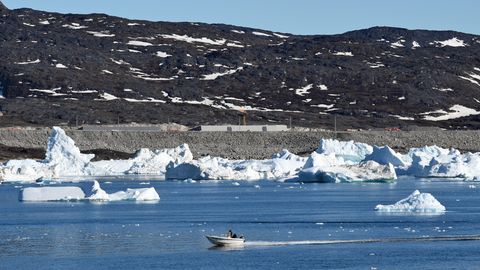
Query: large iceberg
416,202
328,168
86,192
386,155
64,159
347,150
282,165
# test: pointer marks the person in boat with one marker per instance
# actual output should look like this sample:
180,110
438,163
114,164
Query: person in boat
230,234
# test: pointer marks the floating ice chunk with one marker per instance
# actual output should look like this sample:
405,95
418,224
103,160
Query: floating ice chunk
98,194
94,193
283,165
362,172
46,194
348,150
384,155
139,194
416,202
433,161
155,162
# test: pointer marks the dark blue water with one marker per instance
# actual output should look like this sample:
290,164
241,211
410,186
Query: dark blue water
170,234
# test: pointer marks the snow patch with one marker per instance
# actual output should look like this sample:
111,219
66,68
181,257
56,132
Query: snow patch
139,43
162,54
188,39
214,76
261,34
304,90
108,96
100,34
74,26
343,53
28,62
456,111
453,42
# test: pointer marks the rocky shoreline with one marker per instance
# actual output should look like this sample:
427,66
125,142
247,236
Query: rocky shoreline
30,143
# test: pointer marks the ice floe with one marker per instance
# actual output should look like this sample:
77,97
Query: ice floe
332,161
416,202
86,192
283,165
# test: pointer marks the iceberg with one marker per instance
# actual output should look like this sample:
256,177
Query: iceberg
337,173
46,194
385,155
331,168
433,161
155,162
416,202
64,159
86,193
332,161
282,165
347,150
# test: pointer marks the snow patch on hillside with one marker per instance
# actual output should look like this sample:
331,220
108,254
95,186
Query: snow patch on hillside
189,39
456,111
453,42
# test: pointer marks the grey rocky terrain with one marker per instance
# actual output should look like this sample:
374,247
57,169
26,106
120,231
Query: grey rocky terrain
21,143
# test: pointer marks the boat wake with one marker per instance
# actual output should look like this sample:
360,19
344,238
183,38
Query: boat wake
362,241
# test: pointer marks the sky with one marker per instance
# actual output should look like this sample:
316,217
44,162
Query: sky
303,17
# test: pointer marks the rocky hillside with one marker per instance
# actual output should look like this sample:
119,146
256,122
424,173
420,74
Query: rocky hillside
95,68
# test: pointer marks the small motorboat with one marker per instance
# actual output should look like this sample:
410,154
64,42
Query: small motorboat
226,241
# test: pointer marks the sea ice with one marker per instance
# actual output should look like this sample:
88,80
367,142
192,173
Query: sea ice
416,202
88,191
282,165
45,194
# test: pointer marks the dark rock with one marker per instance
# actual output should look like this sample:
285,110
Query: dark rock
67,68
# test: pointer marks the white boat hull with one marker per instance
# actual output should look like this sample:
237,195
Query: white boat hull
225,241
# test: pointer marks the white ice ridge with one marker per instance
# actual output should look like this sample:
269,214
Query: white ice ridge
88,191
416,202
282,166
333,161
64,159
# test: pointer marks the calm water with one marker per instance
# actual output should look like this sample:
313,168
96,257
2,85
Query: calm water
170,234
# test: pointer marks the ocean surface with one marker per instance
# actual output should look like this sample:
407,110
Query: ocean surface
170,234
